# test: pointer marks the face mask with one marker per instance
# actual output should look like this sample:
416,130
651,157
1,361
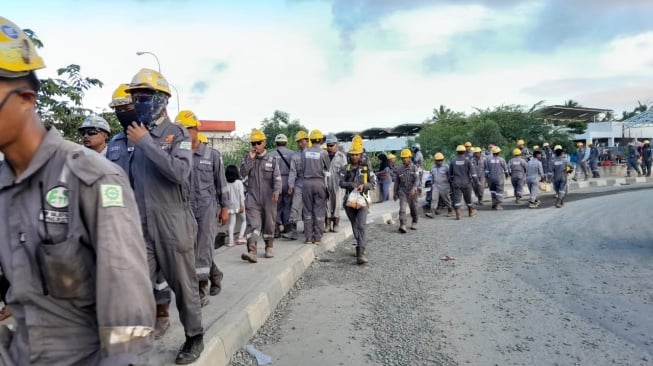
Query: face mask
127,117
149,110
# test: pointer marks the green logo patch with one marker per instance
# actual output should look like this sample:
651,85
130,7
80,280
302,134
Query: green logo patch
57,197
185,145
111,195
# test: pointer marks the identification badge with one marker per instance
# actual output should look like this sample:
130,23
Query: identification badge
111,195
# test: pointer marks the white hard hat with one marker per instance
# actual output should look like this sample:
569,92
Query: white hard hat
95,121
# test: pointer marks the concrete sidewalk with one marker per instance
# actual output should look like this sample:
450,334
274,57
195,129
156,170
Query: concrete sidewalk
250,292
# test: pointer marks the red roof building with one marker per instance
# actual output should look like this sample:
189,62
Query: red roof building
217,126
219,134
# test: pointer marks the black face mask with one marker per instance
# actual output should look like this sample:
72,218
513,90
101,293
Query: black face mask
127,117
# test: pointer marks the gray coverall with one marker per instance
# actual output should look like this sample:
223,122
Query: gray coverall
559,165
160,169
119,149
407,179
594,161
296,182
209,193
349,178
479,184
461,173
582,156
517,170
547,158
316,165
496,170
647,159
336,194
440,186
263,180
284,205
631,162
74,255
534,174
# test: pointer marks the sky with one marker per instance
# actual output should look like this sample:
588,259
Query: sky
348,65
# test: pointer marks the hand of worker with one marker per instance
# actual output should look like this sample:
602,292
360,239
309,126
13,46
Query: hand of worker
136,131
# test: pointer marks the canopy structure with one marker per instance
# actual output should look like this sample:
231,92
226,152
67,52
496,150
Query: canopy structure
562,113
345,135
376,133
641,120
407,129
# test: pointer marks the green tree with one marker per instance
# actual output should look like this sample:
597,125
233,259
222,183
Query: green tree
59,100
280,123
572,104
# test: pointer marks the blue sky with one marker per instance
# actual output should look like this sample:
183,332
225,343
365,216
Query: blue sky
352,64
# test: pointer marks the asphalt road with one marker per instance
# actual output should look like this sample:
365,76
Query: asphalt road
546,286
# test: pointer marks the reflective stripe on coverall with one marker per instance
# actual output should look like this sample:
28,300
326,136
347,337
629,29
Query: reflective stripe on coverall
517,171
559,165
461,174
160,168
441,186
316,164
209,193
496,170
284,204
263,180
74,255
407,179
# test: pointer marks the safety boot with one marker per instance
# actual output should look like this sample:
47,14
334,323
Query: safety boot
292,231
277,231
336,223
459,213
471,211
360,255
269,248
162,320
413,225
449,212
251,253
327,225
428,213
402,228
191,350
204,293
558,202
215,276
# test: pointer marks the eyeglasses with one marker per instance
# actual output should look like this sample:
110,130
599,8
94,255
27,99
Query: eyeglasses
89,131
254,143
18,90
331,145
142,98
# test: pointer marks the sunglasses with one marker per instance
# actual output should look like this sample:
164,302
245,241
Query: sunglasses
331,145
256,143
142,98
89,131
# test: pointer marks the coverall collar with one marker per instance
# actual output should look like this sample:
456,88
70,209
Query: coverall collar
158,130
46,150
200,149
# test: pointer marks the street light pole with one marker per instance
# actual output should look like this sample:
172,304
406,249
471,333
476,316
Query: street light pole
141,53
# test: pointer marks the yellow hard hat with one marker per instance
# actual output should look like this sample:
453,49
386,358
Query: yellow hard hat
536,147
646,142
438,156
120,96
323,146
316,135
476,149
256,136
468,144
557,147
406,153
202,138
496,150
392,156
18,55
356,145
460,148
301,135
187,119
520,142
149,79
516,152
590,143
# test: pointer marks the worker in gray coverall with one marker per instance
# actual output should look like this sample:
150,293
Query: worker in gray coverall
284,155
496,171
440,186
462,174
263,188
534,175
73,255
517,170
335,196
357,176
561,167
479,167
583,156
316,165
119,148
547,157
406,185
296,184
210,201
160,168
594,159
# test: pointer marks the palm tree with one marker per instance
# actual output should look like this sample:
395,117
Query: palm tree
572,104
441,114
641,108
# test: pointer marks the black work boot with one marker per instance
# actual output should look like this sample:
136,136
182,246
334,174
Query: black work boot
162,320
336,223
251,253
215,275
360,255
277,231
191,350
